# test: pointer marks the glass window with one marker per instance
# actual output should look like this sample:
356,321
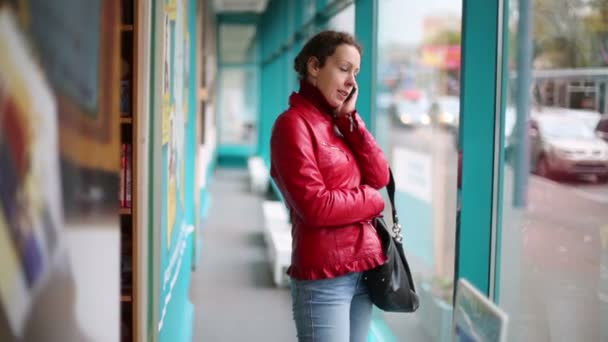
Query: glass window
553,279
416,122
238,106
344,21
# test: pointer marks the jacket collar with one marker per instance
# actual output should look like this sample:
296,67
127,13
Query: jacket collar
313,96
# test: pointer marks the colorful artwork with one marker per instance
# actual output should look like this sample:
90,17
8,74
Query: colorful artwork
80,56
30,195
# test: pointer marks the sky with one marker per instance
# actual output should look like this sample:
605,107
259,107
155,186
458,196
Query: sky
400,21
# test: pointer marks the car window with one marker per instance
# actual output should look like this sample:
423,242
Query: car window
412,107
602,125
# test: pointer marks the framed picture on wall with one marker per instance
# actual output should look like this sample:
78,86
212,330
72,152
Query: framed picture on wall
78,44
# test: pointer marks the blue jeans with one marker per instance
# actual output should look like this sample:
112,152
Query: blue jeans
332,310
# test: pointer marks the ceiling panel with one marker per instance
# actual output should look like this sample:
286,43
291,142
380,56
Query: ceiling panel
240,6
236,42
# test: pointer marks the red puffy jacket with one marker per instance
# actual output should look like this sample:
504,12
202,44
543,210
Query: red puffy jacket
329,180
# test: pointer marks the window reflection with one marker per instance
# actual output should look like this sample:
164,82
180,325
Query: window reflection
238,106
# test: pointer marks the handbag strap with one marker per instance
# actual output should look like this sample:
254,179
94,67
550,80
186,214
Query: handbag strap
390,188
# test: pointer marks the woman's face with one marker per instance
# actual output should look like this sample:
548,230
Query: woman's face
336,78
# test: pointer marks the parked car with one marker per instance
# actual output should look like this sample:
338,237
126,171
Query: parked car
445,112
565,146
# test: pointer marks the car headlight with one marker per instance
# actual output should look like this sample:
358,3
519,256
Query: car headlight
446,118
406,119
425,119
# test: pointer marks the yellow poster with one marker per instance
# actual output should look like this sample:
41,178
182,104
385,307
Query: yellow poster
166,120
171,9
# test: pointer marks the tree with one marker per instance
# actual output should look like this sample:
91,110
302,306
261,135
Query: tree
597,25
561,38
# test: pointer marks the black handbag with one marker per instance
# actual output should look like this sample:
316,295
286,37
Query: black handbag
391,286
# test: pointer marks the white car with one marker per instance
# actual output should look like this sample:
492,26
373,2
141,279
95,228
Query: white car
565,145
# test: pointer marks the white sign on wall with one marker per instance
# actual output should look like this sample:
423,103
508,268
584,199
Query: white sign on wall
412,172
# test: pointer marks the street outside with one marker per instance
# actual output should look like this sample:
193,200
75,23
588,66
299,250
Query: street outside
551,250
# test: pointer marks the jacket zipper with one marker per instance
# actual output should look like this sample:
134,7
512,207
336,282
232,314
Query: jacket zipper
336,148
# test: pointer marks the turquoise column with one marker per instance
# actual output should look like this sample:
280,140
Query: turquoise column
366,32
271,89
479,104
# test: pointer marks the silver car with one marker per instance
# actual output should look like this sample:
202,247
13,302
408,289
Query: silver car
566,146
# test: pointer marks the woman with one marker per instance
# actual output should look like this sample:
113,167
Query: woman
329,169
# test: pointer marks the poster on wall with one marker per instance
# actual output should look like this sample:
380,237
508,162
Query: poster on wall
77,42
30,195
175,107
178,158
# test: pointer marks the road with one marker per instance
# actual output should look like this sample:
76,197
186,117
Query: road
553,266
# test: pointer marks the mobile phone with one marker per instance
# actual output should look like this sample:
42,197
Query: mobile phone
352,92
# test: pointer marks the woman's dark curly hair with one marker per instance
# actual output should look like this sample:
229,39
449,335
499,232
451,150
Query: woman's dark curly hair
321,46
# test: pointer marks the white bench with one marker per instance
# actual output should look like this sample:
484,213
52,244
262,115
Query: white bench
280,256
277,235
275,218
259,175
